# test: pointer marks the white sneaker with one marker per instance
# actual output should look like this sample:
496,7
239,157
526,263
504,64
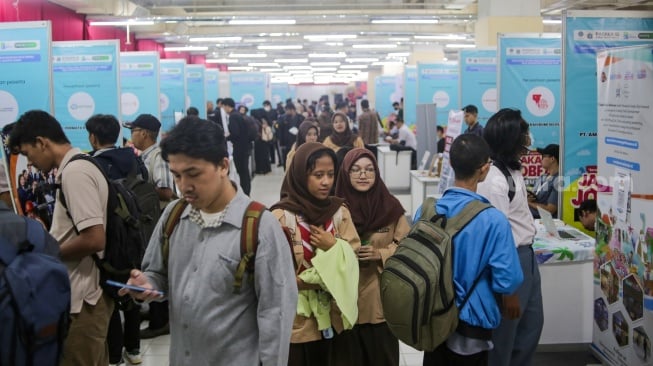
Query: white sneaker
133,357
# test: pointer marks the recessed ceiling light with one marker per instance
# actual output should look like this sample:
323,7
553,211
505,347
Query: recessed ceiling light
215,39
404,21
221,61
280,47
460,45
186,48
361,59
327,55
118,23
248,55
290,60
372,45
262,22
446,37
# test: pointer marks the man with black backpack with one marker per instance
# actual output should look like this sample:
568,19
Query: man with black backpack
485,261
79,229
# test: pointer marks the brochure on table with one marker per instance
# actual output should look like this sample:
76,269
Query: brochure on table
139,86
584,34
86,79
623,292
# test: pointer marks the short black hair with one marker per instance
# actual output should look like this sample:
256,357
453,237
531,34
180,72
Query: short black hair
468,152
395,104
341,105
243,106
196,138
105,127
507,134
267,102
470,109
218,101
290,106
588,206
229,102
192,111
365,104
312,159
33,124
440,129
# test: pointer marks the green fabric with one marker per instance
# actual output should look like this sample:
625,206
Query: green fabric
336,271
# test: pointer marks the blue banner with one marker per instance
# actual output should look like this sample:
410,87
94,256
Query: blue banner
478,81
438,83
280,92
86,82
410,95
586,33
195,88
211,85
529,80
249,88
25,59
173,91
139,86
386,93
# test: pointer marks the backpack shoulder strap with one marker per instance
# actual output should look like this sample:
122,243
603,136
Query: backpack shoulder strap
512,188
248,242
169,227
465,216
428,208
35,234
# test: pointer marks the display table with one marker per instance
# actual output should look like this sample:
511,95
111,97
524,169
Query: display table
394,167
566,268
421,186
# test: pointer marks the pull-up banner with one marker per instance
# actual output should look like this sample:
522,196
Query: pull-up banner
478,81
438,83
410,95
173,92
139,86
195,88
249,88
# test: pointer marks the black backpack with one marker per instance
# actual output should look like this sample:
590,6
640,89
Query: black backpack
147,199
253,128
125,240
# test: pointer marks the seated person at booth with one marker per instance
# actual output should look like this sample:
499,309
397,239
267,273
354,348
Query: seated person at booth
587,214
545,192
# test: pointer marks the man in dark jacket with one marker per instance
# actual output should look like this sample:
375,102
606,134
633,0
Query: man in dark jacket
242,145
285,125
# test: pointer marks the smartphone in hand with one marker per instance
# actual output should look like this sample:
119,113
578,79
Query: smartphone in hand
132,287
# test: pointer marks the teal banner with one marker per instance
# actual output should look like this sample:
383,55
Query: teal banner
195,88
478,81
438,83
139,86
173,92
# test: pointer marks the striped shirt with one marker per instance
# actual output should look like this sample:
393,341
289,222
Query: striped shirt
157,168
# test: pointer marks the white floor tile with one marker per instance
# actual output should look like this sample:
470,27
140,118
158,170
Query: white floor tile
151,360
158,350
413,359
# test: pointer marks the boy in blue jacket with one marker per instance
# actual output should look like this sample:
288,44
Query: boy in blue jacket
483,249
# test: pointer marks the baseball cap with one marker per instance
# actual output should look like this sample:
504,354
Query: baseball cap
144,121
551,149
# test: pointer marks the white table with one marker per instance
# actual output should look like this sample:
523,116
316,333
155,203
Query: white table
421,186
394,167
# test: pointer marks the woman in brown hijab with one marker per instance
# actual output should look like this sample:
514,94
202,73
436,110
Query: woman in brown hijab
342,135
308,132
319,223
381,223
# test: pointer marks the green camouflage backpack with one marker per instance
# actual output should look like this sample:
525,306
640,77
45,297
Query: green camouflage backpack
417,290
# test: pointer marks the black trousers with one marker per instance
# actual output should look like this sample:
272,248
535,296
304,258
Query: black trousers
159,314
365,345
316,353
241,161
443,356
129,338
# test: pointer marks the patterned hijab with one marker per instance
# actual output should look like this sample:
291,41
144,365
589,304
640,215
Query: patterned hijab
371,210
345,138
295,196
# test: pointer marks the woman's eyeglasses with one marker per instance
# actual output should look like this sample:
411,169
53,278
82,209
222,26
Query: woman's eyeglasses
368,172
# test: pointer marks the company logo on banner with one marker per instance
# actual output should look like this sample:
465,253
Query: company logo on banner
438,83
478,81
586,34
623,294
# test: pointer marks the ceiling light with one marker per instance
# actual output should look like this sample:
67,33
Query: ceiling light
248,55
262,21
334,44
341,71
362,59
117,23
370,46
399,39
327,55
290,60
328,63
254,40
551,21
215,39
300,71
280,47
398,54
239,68
322,37
297,67
186,48
271,70
353,67
384,63
460,45
221,61
449,37
324,69
263,64
404,21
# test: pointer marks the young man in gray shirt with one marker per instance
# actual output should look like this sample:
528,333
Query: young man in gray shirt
209,323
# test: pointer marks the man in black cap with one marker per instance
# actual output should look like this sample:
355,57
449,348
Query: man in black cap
545,192
471,119
145,132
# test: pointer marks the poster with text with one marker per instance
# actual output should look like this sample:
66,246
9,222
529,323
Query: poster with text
211,85
478,81
195,96
86,79
410,95
454,129
139,86
438,83
623,291
585,33
173,92
249,88
386,94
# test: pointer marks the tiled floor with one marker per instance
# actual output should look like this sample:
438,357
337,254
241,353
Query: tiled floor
266,190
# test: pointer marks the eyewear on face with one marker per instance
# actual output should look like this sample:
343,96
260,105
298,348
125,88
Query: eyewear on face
360,172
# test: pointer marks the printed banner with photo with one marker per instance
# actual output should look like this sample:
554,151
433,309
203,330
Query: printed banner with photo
410,95
249,88
478,81
623,292
586,33
195,96
438,83
173,92
139,86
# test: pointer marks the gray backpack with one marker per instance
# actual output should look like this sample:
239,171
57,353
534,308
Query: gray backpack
417,290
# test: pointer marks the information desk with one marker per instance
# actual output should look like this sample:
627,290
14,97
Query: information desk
566,267
421,186
394,167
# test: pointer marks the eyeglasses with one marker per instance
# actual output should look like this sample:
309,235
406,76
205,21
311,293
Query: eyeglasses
368,172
